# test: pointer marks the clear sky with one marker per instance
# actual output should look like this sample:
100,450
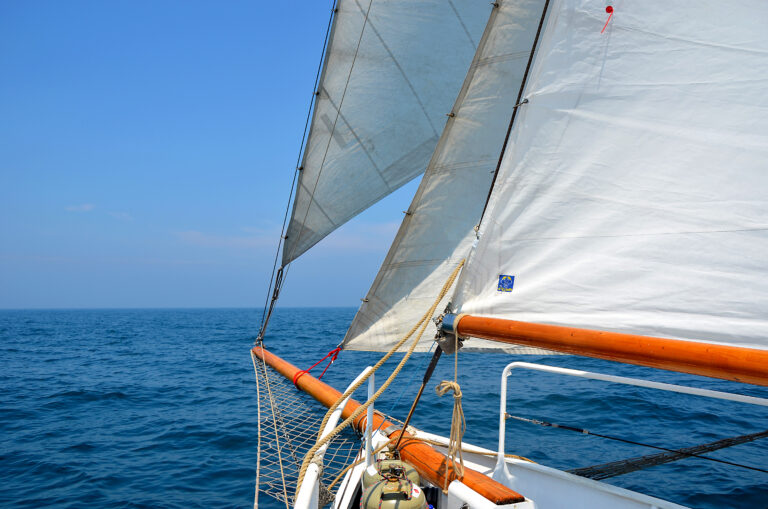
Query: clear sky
146,153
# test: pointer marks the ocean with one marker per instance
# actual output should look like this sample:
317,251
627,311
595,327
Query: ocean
157,408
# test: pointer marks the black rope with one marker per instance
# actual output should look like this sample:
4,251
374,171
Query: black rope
518,103
587,432
625,466
275,291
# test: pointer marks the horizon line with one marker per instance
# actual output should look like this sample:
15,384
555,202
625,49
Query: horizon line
168,308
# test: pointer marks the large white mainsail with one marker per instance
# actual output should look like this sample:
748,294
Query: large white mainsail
438,230
632,195
392,71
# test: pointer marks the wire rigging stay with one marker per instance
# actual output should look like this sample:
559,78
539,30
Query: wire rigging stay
275,289
645,462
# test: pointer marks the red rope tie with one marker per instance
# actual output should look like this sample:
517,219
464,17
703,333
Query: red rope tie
609,10
333,354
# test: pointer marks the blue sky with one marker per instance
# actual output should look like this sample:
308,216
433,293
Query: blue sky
146,152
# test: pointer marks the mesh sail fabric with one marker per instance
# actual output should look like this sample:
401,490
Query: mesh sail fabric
289,421
439,231
632,195
392,71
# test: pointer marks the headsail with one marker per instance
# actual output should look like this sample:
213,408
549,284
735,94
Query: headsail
392,71
438,231
631,197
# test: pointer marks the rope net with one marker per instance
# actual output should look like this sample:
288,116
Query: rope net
289,422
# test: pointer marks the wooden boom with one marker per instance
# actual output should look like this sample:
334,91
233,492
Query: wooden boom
748,365
430,463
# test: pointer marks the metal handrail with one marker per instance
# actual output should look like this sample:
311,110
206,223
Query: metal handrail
500,472
307,497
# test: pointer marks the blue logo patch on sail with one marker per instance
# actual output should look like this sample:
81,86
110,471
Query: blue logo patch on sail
506,283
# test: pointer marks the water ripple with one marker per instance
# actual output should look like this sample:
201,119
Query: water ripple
157,408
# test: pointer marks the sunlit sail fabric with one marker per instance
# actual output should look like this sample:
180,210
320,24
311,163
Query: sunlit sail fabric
392,71
439,230
632,195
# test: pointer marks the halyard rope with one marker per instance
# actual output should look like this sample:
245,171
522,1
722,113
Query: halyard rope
458,426
458,423
421,326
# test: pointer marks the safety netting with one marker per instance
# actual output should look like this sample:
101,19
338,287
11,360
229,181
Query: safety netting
289,422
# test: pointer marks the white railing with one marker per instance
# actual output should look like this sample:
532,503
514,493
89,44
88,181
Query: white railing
308,496
500,472
369,423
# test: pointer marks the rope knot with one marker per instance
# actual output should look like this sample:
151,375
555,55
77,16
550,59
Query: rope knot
458,427
447,385
333,354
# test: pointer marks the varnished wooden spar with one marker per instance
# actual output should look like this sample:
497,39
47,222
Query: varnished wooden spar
430,463
740,364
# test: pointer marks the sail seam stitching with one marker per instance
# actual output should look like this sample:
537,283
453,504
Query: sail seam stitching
464,26
402,72
654,234
357,138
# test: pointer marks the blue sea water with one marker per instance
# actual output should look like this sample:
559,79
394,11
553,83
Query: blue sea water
157,408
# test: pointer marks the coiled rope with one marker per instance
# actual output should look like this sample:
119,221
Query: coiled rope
458,422
458,427
420,327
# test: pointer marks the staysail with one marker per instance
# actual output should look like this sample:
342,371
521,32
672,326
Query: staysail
392,71
631,197
439,228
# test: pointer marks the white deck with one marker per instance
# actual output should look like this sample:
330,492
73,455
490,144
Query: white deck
549,488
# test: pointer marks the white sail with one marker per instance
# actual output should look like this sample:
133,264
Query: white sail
392,71
438,231
633,195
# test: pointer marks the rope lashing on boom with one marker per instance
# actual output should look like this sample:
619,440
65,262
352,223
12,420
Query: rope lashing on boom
333,354
418,329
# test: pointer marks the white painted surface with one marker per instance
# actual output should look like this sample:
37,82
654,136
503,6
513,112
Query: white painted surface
549,488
